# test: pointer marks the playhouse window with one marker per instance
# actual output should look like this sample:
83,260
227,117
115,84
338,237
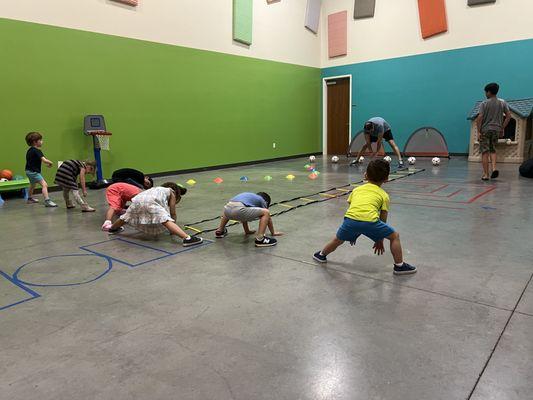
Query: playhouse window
510,130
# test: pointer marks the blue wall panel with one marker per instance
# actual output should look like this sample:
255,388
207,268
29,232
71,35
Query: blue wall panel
437,89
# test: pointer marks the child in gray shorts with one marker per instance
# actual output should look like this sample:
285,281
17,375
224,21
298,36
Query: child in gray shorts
246,207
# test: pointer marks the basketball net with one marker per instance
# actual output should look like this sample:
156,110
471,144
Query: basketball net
101,139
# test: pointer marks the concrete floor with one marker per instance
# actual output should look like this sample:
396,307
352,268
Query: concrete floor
229,321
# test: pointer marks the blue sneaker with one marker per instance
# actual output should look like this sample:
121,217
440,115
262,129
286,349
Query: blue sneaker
320,258
404,269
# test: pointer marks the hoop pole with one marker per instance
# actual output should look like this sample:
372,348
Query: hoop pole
98,159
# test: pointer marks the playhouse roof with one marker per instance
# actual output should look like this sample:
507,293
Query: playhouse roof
522,107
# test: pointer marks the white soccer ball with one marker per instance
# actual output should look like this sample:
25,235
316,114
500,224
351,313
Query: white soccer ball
3,180
334,159
312,158
411,160
387,158
435,161
361,159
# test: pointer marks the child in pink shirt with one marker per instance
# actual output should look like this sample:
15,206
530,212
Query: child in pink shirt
117,195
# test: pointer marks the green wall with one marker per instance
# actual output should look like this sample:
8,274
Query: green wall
169,107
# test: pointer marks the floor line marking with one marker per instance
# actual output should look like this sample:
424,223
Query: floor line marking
450,296
428,205
440,188
286,205
481,194
499,338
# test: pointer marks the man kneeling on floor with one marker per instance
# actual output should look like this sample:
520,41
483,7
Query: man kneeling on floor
246,207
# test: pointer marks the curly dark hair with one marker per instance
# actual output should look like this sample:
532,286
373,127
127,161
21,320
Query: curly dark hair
378,171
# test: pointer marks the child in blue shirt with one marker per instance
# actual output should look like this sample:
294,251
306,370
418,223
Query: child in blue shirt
246,207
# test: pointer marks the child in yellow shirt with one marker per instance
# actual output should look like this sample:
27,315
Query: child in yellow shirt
367,215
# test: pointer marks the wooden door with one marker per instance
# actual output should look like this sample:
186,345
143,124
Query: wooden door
338,117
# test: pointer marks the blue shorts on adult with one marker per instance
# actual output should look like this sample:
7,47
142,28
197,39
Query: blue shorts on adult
351,229
34,177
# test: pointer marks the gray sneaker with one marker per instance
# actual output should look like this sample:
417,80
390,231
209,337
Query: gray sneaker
49,203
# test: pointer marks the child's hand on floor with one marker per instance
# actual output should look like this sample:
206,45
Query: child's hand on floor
378,248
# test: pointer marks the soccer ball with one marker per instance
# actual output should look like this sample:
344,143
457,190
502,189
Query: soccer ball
312,158
361,159
411,160
435,161
387,158
334,159
3,180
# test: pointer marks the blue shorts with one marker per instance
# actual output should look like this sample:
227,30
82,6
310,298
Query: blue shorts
351,229
34,177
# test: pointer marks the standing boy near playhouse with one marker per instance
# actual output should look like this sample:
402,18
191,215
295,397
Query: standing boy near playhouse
490,125
376,129
367,215
34,158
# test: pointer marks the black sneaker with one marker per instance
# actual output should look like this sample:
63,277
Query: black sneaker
404,269
320,257
494,174
265,242
115,231
220,235
192,241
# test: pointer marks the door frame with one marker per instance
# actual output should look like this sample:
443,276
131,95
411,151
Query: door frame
325,111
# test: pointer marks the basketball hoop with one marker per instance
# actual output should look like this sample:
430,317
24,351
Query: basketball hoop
101,139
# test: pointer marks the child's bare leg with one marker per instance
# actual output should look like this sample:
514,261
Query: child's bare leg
31,190
247,229
119,223
263,223
493,160
223,222
44,188
174,229
109,214
331,246
396,248
485,160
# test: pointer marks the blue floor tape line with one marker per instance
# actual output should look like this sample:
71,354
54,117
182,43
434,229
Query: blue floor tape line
34,295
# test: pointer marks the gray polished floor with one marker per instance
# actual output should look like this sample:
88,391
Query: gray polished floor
87,316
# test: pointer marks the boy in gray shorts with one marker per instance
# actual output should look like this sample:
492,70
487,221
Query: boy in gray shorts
490,124
246,207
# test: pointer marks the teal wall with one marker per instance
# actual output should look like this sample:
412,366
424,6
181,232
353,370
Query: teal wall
437,89
169,107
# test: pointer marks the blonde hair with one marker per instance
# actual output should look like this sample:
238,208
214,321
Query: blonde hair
90,163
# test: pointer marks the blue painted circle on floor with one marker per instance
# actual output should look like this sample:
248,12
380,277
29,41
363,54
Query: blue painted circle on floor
68,270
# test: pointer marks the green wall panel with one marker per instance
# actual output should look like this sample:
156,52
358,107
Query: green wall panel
169,107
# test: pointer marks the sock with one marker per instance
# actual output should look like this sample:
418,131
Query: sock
187,238
321,253
398,265
260,237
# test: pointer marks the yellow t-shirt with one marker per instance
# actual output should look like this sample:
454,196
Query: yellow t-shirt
366,203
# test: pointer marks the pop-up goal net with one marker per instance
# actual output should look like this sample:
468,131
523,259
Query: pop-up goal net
357,144
426,142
